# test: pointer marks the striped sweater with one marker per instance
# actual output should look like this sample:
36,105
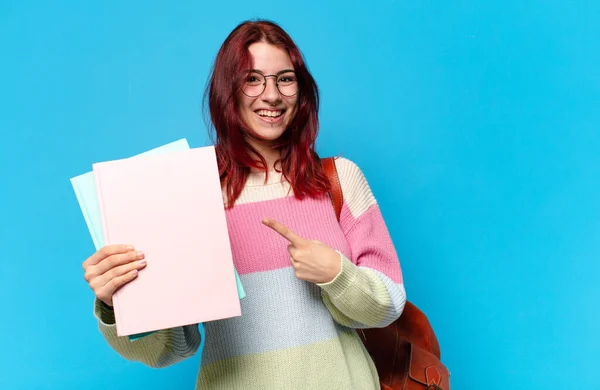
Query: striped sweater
292,334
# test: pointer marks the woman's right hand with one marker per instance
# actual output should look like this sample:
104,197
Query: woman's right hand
110,268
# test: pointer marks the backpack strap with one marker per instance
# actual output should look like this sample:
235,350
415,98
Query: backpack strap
337,198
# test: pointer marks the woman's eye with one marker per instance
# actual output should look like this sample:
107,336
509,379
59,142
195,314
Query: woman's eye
253,80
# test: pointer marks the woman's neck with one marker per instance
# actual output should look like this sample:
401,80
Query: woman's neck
270,154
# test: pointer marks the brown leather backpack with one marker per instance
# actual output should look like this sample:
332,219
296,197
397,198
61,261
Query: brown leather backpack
406,353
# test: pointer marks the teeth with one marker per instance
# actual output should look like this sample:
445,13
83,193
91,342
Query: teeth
272,114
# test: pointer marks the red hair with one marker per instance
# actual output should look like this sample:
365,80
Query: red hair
300,164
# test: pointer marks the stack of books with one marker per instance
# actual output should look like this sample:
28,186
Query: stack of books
168,203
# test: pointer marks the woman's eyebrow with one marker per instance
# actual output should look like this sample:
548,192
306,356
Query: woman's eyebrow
278,73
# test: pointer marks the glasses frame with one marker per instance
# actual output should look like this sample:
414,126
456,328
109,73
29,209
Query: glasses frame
264,84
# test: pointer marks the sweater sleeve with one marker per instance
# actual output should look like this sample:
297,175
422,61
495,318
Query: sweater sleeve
369,291
159,349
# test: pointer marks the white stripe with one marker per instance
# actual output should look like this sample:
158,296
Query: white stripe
357,193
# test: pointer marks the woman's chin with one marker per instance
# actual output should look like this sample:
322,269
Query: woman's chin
267,134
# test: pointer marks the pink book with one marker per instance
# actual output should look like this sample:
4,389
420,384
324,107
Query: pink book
170,206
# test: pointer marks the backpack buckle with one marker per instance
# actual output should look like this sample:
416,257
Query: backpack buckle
433,377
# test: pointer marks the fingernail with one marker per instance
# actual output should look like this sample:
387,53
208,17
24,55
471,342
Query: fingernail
130,247
140,254
142,262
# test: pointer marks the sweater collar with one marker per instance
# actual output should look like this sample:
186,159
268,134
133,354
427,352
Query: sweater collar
257,179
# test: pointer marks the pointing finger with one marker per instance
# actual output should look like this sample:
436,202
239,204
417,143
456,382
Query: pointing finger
284,231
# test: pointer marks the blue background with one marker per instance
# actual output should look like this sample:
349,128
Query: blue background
476,124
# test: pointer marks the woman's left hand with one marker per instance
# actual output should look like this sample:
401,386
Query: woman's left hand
313,261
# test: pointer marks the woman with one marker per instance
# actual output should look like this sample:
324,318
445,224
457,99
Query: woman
305,298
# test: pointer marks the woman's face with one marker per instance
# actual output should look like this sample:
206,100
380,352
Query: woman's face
269,113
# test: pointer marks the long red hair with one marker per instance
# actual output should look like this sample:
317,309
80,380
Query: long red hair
300,164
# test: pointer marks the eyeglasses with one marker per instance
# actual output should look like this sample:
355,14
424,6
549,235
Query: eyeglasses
256,82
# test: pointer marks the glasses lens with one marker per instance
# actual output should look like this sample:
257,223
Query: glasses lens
254,84
287,84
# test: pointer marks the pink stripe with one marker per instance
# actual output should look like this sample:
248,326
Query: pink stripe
371,242
257,248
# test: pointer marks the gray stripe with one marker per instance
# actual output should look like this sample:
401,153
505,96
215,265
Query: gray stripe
397,301
279,311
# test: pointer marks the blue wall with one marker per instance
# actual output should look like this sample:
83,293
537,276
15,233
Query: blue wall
476,124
